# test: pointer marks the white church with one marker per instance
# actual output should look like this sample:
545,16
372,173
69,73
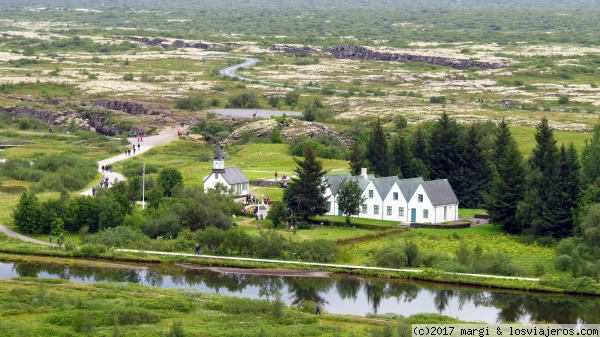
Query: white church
232,176
394,199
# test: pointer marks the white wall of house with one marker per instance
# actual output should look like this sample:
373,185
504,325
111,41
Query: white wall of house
424,211
395,204
446,213
240,189
372,202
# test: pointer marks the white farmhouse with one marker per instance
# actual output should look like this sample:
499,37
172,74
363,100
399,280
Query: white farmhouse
402,200
232,177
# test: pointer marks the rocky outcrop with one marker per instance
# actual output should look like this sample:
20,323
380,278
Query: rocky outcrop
350,51
160,42
294,49
97,122
129,107
289,130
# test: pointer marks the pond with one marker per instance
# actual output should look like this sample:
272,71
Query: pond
248,113
342,294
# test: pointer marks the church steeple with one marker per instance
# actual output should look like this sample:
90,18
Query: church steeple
218,160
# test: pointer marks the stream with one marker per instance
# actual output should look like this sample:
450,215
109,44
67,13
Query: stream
342,294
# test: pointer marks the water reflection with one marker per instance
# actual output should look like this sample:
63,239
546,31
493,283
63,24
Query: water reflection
343,294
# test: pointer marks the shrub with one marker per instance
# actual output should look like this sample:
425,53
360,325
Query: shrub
303,225
176,329
92,250
563,99
191,103
437,99
412,254
392,256
119,237
128,77
245,100
463,253
565,246
319,250
563,262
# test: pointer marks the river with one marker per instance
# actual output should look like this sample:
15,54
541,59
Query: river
343,294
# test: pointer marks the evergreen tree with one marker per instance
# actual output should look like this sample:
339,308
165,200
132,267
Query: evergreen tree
507,189
445,149
562,198
402,157
350,198
419,145
377,151
473,177
306,195
544,164
590,157
501,142
357,158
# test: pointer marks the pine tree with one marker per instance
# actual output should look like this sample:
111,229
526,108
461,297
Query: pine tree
402,157
306,195
357,158
445,149
544,164
501,142
419,145
377,151
590,157
507,189
473,176
562,198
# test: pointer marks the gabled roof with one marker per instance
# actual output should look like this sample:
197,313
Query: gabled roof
234,175
408,187
384,185
335,180
440,192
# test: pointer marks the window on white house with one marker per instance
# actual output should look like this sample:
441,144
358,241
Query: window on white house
216,176
370,193
389,210
328,206
395,195
376,209
425,214
364,208
400,211
420,197
445,212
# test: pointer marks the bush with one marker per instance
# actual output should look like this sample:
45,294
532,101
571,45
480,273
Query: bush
392,256
563,99
563,262
412,254
92,250
191,103
128,77
245,100
319,250
303,225
119,237
437,99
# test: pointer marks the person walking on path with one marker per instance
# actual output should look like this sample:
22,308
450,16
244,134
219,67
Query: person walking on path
50,238
318,309
138,148
275,175
198,252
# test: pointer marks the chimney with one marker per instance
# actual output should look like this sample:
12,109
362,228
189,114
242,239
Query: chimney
363,172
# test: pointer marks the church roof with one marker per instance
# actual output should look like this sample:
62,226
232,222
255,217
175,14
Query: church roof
218,153
234,175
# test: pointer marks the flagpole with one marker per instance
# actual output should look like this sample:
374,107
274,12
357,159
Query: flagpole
144,186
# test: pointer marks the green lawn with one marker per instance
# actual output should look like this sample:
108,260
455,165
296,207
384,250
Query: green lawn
354,220
319,232
470,211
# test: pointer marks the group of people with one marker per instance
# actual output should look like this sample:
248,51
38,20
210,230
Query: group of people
59,240
107,168
133,147
180,133
103,183
252,199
